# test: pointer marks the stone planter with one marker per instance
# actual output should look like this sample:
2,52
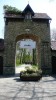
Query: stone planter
30,77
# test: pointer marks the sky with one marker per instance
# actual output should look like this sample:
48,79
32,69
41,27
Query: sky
38,6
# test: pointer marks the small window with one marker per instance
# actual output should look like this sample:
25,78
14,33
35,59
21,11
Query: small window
28,16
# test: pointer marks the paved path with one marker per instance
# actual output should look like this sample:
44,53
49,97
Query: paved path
11,88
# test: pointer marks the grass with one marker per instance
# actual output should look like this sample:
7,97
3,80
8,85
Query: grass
17,62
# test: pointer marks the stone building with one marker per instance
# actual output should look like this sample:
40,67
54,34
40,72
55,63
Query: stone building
1,55
53,55
27,25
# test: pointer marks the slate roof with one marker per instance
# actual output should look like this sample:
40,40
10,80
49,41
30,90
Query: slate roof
41,16
53,45
28,9
36,16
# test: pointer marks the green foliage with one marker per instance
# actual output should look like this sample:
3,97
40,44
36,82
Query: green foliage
17,62
32,69
10,9
34,56
24,55
36,67
27,74
30,72
26,58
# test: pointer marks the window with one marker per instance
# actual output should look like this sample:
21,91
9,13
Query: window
28,16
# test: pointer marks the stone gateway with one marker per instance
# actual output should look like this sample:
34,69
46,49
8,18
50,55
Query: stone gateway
27,25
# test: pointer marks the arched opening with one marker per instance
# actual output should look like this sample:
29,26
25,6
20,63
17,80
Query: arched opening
26,50
1,65
53,64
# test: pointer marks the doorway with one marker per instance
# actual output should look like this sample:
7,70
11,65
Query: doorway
25,53
53,65
1,65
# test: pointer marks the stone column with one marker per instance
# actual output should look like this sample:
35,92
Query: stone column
46,58
38,52
9,59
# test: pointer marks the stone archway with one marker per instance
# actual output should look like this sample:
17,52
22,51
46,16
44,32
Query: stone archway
19,26
11,50
34,38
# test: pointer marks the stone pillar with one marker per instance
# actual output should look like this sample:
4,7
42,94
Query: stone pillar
9,59
46,58
38,53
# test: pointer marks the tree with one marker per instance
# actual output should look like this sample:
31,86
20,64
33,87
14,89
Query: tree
34,56
53,34
10,9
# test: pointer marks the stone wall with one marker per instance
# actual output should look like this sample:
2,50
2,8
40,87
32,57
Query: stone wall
16,30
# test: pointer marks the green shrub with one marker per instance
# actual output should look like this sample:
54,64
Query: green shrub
31,72
10,9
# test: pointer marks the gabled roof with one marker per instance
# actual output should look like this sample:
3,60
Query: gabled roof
28,9
41,16
25,11
36,16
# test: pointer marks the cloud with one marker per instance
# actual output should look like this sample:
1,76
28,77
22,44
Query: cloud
51,0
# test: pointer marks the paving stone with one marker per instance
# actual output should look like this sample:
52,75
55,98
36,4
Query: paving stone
11,88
